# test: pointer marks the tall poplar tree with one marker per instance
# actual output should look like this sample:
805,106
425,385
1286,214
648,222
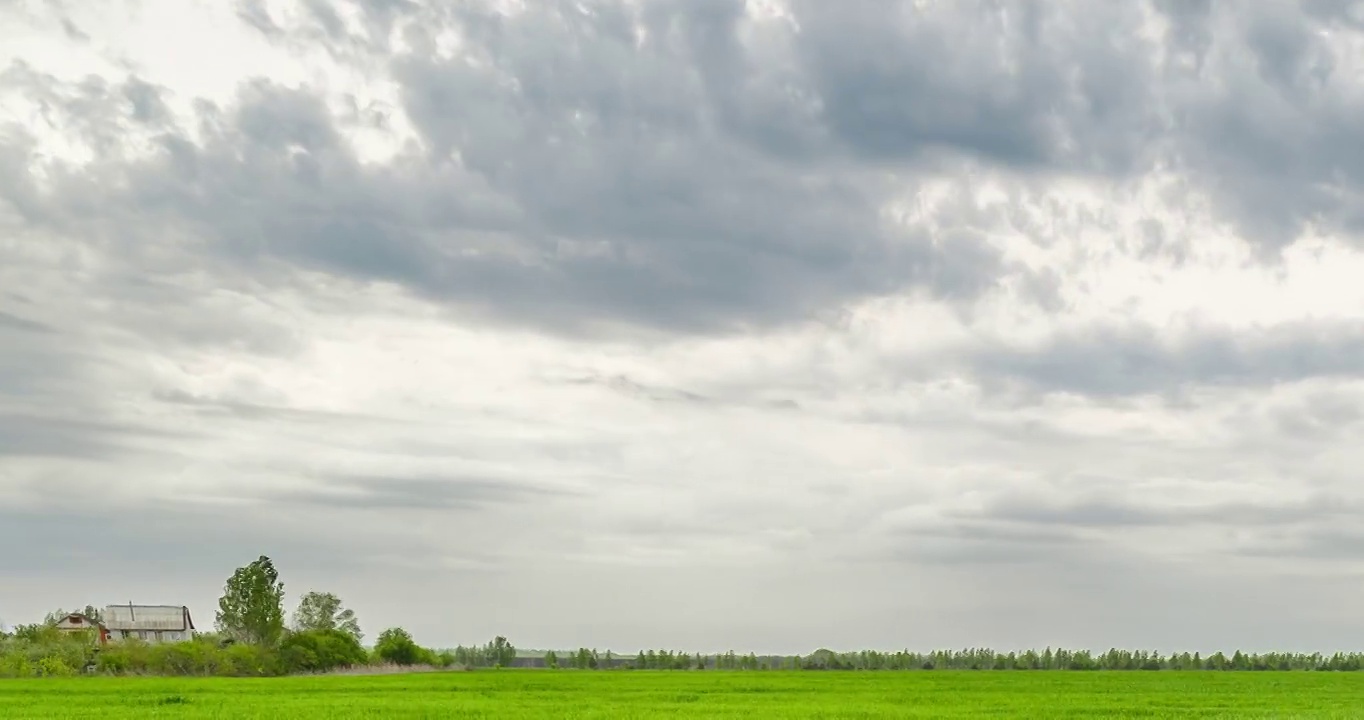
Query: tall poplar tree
251,609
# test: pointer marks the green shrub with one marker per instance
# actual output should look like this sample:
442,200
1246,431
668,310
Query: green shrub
127,657
395,645
113,661
320,651
186,658
15,665
251,660
54,666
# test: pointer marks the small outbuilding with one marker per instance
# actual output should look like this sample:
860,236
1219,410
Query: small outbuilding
77,622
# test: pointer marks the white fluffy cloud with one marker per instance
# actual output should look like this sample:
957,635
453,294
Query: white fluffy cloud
696,324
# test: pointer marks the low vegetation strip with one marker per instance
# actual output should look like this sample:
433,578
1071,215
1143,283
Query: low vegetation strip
512,694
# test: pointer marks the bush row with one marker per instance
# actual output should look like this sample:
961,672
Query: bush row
47,653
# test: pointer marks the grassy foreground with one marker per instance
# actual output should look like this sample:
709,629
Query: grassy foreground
511,694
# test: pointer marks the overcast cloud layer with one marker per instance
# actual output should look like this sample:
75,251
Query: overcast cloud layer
692,323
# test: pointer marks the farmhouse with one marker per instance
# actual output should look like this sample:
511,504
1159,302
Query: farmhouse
76,622
149,623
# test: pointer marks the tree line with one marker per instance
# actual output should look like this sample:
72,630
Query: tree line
1047,659
252,638
965,659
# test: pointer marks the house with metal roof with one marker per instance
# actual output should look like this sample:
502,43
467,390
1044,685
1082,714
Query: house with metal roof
149,623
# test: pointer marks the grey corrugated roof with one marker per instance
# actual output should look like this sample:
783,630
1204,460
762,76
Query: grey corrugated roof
147,617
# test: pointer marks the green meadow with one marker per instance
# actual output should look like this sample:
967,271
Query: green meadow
510,694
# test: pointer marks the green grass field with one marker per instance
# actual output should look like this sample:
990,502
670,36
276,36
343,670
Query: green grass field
511,694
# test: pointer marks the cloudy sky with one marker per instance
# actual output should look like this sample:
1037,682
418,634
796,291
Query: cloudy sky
700,324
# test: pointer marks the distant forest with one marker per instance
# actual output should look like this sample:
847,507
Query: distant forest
967,659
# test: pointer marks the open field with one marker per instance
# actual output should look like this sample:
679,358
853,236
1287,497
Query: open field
643,694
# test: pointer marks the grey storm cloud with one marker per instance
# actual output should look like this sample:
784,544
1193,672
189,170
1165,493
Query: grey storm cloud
35,435
619,184
16,322
708,179
1139,359
396,493
171,542
249,411
1100,512
1025,85
711,176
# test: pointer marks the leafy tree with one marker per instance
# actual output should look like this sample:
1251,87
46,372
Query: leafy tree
551,660
251,609
395,645
323,611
